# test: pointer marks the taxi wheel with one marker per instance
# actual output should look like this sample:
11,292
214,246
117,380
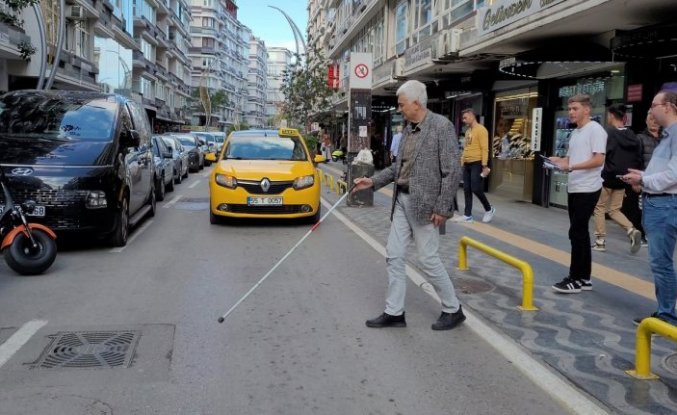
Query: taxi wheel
316,217
214,219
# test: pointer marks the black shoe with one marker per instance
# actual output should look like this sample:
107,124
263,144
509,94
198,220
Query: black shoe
448,321
639,319
386,320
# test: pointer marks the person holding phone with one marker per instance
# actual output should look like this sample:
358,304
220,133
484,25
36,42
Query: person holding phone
584,162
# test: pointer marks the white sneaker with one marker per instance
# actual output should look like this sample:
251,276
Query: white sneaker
463,219
635,240
488,216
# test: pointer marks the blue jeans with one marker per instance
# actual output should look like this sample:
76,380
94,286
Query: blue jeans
660,224
426,237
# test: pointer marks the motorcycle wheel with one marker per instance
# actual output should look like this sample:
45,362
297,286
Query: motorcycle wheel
26,260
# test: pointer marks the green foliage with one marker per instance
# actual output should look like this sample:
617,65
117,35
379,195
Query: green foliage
26,50
10,18
305,90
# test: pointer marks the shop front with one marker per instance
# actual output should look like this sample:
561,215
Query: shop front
605,89
511,143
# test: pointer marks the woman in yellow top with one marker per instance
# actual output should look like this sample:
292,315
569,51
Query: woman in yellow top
474,160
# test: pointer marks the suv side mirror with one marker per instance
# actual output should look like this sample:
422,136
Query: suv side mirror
132,139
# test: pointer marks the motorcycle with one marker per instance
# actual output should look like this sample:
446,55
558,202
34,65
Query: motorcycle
28,248
337,155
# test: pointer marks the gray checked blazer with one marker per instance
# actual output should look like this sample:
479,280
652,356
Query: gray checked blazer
435,174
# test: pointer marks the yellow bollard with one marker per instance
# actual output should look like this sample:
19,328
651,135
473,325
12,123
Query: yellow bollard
527,272
643,345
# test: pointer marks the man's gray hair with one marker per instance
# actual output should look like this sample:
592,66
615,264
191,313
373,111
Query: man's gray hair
414,91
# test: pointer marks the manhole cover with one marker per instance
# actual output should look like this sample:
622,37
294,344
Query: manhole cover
468,286
670,363
89,349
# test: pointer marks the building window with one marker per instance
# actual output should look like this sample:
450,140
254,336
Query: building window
454,10
207,42
401,27
208,22
422,19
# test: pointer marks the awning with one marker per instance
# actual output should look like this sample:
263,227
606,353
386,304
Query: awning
559,59
658,41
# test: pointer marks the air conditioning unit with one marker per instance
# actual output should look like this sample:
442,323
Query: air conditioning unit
75,12
398,69
448,42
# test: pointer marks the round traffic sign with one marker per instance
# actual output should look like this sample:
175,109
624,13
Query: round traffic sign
361,70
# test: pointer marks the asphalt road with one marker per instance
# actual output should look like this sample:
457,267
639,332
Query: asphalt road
297,345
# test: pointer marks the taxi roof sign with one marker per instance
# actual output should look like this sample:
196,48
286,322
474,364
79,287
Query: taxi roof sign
288,132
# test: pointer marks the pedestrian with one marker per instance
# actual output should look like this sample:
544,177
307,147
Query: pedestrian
649,138
584,162
474,160
623,152
659,201
395,144
326,146
426,177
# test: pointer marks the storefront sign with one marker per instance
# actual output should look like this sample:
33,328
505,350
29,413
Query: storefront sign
418,55
505,12
590,88
536,127
634,93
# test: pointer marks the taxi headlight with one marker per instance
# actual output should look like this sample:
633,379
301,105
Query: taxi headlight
226,181
303,182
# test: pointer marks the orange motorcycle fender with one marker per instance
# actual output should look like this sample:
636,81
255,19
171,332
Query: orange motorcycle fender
9,238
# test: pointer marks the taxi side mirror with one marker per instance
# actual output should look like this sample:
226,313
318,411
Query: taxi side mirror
210,157
319,159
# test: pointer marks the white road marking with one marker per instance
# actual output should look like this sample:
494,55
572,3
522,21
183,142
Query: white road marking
18,339
194,184
207,173
172,202
560,390
133,237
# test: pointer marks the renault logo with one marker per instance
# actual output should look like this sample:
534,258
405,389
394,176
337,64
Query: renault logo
22,171
265,185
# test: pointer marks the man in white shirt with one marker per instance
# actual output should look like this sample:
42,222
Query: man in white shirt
584,162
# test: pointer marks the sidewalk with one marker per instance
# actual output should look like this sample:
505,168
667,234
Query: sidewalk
588,337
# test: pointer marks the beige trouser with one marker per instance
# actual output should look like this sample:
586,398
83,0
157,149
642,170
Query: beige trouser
613,198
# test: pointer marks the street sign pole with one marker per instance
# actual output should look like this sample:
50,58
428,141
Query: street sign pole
359,120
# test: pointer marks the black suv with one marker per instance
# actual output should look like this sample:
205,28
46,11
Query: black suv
84,157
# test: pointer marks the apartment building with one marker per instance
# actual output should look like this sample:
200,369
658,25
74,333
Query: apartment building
515,62
219,56
136,48
279,61
257,84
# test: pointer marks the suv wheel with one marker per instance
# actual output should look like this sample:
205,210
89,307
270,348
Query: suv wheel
160,189
121,230
179,177
152,201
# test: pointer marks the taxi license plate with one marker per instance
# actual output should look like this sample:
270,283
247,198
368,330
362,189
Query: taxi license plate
39,211
264,201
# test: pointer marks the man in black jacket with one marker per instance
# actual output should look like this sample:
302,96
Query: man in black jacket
623,152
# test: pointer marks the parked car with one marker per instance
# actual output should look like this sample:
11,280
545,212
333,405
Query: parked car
164,167
265,174
210,146
191,145
179,157
220,139
84,157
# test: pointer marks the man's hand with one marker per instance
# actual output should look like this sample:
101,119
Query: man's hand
438,220
362,183
562,163
632,177
485,171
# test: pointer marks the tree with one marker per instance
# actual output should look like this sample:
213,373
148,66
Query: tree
306,92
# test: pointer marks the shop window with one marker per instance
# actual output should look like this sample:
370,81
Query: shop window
512,125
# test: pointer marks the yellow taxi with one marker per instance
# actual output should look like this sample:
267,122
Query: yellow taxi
265,174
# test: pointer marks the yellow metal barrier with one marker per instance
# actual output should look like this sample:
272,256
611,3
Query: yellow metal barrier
643,345
341,186
527,272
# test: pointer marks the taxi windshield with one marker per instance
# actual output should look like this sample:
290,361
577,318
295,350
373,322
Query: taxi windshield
265,148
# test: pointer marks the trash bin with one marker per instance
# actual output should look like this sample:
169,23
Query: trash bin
363,197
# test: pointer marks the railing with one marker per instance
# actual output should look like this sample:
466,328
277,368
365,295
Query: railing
527,272
648,326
